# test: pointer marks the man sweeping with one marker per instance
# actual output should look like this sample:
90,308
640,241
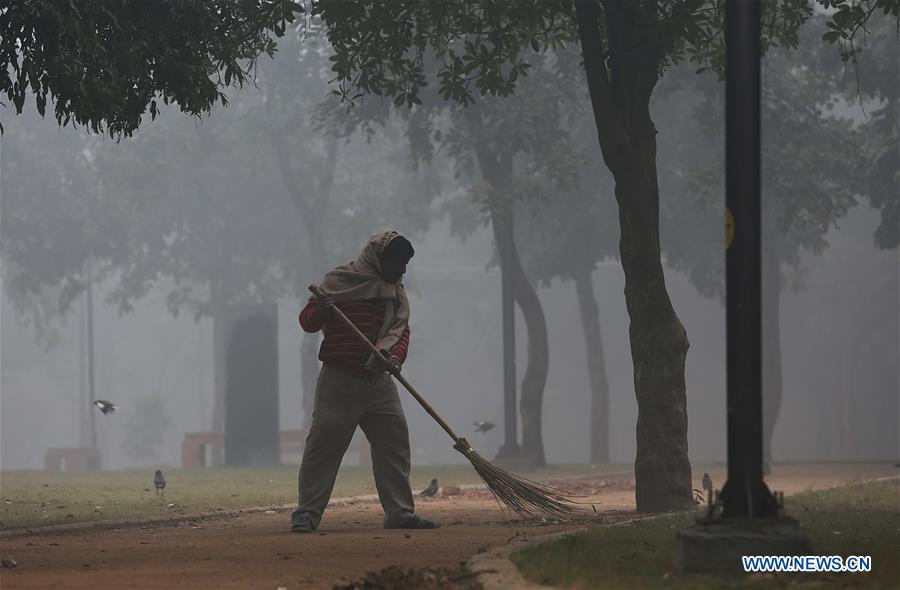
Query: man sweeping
355,388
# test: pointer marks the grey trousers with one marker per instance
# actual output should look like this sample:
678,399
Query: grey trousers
345,400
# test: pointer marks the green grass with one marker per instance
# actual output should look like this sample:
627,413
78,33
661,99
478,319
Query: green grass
32,498
854,520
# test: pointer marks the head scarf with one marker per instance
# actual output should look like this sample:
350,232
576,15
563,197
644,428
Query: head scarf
361,279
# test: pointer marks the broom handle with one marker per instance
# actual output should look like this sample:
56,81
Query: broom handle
412,390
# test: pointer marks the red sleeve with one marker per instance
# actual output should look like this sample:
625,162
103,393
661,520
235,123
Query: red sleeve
402,347
309,320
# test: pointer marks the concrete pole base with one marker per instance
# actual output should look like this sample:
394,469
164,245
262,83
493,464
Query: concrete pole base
715,546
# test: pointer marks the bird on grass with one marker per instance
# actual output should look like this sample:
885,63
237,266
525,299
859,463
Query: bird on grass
159,482
105,406
483,426
431,490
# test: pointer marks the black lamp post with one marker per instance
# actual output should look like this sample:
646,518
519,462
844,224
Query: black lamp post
745,494
746,518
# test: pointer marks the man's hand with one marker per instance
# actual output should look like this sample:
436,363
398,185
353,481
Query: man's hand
392,363
324,307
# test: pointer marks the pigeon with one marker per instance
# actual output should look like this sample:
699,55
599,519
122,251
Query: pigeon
431,490
159,481
105,406
483,426
707,487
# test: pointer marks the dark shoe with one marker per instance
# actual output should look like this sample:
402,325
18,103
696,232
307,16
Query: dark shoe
413,522
302,523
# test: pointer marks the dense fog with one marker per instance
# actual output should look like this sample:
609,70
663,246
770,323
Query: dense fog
260,198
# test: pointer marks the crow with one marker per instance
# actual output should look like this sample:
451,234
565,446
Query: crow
431,490
159,482
483,426
105,406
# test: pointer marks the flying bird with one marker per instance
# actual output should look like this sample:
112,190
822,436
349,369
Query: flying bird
431,490
105,406
483,426
159,482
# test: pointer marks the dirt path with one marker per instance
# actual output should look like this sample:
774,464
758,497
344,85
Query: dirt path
257,550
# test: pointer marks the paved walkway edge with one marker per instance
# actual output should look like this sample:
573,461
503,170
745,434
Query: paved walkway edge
494,569
155,521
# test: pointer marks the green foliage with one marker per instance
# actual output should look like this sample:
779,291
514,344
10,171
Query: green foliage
49,194
391,49
105,63
849,20
382,48
815,160
221,209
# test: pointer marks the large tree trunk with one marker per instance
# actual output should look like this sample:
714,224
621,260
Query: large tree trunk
535,379
496,168
593,341
659,344
533,383
772,385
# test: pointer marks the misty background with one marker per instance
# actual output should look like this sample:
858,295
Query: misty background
189,206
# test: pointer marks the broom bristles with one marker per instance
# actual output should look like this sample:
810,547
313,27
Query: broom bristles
521,495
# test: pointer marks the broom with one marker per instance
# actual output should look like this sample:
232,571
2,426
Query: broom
523,496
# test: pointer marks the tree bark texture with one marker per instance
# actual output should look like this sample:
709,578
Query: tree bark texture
620,97
593,341
496,169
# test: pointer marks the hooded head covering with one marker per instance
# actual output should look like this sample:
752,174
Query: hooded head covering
361,279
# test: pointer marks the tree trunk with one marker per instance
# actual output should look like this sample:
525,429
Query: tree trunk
535,379
496,169
532,398
593,341
659,341
772,385
510,446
